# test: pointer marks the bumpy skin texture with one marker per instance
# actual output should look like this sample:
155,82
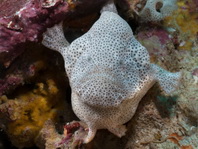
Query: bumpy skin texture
109,72
156,10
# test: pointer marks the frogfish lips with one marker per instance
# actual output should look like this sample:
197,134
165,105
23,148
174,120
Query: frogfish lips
101,90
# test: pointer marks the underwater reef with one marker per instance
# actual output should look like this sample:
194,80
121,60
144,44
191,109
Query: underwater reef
35,100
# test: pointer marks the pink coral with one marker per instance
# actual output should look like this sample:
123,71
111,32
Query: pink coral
195,72
25,24
160,39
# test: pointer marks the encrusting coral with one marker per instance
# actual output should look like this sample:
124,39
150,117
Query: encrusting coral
109,72
42,97
186,32
27,114
172,44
